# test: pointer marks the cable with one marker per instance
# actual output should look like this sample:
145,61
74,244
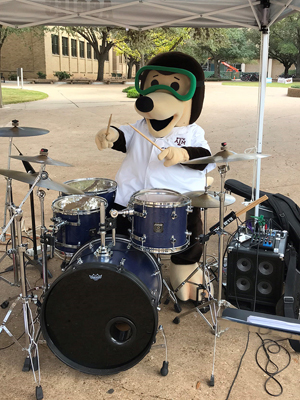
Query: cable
239,367
267,350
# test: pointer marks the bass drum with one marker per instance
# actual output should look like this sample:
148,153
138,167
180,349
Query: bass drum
101,317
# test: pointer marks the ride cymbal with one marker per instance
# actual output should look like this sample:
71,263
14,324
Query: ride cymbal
208,199
44,183
41,159
225,156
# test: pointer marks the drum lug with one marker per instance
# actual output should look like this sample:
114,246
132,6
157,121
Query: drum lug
173,240
122,262
189,209
174,214
188,233
79,261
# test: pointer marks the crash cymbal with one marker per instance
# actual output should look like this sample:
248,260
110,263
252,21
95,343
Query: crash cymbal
41,159
225,156
208,199
18,131
44,183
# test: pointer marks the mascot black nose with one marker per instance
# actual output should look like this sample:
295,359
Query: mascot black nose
144,104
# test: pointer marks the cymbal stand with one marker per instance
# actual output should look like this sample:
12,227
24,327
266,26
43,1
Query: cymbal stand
45,240
32,359
7,185
7,206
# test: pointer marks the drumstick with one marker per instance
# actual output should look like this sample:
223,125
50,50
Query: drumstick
251,205
232,216
144,136
108,126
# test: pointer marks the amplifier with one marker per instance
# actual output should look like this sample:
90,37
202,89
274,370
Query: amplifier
256,270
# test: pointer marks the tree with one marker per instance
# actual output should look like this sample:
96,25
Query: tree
100,38
139,47
231,45
284,43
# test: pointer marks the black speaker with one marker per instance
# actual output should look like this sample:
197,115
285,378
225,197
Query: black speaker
255,277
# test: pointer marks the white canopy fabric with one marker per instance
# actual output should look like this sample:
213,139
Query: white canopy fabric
145,14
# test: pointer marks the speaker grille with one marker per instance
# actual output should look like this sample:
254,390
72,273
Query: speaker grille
254,277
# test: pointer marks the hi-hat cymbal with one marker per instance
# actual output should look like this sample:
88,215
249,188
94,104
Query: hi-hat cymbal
18,131
41,159
44,183
225,156
208,199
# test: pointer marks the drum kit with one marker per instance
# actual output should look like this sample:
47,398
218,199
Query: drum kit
107,275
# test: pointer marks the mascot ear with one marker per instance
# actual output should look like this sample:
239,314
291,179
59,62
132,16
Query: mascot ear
180,60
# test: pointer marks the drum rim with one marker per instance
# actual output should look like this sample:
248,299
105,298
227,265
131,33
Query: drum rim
161,250
79,212
110,189
75,365
185,200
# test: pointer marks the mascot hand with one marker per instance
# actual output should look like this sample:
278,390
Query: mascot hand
173,155
103,140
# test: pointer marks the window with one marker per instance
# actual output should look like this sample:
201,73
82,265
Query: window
65,46
88,50
74,48
81,49
55,48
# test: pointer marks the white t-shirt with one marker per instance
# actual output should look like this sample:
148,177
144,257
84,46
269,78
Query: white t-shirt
141,169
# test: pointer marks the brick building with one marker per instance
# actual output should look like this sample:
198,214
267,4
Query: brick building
51,52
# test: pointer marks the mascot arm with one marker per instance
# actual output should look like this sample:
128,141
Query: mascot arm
197,152
120,143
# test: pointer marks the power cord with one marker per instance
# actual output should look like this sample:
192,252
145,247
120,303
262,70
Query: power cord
239,367
267,346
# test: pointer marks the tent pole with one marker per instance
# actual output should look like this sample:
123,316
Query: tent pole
262,94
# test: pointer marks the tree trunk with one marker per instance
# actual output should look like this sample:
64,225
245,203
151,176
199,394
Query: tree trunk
100,73
286,70
129,72
217,68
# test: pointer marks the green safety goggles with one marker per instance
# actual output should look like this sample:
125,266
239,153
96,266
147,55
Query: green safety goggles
193,82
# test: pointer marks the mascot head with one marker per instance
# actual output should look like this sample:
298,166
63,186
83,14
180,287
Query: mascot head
172,92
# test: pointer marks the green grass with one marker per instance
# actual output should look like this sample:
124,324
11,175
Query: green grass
255,84
13,96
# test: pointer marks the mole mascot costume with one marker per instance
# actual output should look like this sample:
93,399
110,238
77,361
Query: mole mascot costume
171,91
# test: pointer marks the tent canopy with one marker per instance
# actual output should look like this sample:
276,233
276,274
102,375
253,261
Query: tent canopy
146,14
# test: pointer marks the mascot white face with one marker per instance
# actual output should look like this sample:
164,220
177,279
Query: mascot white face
166,99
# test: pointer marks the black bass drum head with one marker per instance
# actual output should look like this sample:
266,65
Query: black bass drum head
99,319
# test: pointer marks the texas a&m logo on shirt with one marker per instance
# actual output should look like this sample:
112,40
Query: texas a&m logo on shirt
180,141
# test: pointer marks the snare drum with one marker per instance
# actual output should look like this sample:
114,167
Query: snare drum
159,221
100,317
77,220
102,187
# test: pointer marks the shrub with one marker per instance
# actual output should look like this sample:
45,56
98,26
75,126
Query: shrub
132,93
12,77
127,88
41,75
62,75
295,86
